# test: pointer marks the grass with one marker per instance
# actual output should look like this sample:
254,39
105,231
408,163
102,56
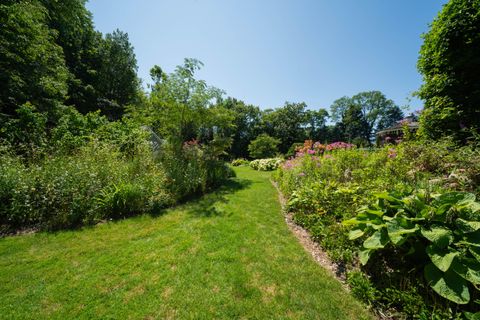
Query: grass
226,255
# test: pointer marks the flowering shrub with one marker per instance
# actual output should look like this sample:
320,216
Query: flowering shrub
326,185
266,164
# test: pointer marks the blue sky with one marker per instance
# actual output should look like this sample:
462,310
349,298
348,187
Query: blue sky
266,52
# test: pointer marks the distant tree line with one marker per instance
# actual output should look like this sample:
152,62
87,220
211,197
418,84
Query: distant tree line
354,119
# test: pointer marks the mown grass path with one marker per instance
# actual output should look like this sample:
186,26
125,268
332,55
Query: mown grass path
228,255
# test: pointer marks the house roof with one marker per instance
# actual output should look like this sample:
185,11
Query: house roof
398,127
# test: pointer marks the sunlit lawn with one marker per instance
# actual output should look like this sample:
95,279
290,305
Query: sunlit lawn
227,255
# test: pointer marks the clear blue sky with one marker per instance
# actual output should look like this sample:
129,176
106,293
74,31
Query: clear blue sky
266,52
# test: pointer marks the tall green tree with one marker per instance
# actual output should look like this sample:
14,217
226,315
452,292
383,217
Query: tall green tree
183,108
450,64
118,84
390,118
286,123
81,44
32,68
355,125
374,108
316,124
247,119
263,146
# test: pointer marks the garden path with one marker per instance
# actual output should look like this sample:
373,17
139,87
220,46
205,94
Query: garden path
226,255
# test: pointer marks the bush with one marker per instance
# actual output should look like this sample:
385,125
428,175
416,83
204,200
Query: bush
327,184
266,164
192,169
450,67
65,191
263,146
443,231
240,162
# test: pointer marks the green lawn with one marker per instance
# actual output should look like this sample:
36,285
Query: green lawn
226,255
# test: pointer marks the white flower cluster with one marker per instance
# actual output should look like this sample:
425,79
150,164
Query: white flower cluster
266,164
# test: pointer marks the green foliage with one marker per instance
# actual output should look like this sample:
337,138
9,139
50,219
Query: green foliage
450,64
59,191
118,84
361,287
240,162
192,169
224,233
326,187
183,108
365,113
27,131
246,121
445,229
285,124
263,146
266,164
32,68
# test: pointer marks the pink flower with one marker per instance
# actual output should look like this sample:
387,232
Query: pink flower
310,151
392,153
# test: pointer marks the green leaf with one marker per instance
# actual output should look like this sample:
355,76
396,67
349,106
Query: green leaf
387,197
469,269
355,234
467,226
377,213
397,230
441,258
440,236
472,316
364,256
472,239
475,252
376,241
352,222
448,285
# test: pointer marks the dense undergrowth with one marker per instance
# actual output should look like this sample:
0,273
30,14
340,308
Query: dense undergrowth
387,208
87,169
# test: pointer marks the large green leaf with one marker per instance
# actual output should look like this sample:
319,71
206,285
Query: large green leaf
398,230
378,240
472,316
440,236
355,234
448,285
475,251
364,256
441,258
472,239
467,226
388,197
468,269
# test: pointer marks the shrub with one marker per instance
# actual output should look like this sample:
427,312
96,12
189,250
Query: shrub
60,191
240,162
266,164
450,67
263,146
325,185
192,168
443,231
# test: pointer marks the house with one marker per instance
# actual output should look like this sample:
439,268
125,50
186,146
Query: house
395,132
